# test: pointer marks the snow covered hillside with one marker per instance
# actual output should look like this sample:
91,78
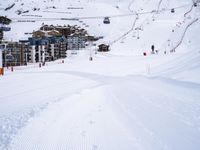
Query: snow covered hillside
153,24
122,100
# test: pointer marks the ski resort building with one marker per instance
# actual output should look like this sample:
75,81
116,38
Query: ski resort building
76,36
47,48
76,41
46,44
64,30
15,53
42,34
4,22
1,36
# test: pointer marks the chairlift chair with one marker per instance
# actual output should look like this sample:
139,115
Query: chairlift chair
106,20
195,4
172,10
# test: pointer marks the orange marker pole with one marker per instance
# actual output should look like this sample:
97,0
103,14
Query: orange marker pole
1,63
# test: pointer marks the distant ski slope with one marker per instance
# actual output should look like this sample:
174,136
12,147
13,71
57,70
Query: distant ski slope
121,100
133,37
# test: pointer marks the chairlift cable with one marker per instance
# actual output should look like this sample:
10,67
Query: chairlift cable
98,17
122,36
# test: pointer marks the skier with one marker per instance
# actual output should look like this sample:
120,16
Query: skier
152,49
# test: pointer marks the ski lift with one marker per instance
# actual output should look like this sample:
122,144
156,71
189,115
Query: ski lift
172,10
106,20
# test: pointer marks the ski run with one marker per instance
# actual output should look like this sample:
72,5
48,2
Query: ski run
122,99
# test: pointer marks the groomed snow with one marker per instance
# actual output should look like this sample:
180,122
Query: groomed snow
121,100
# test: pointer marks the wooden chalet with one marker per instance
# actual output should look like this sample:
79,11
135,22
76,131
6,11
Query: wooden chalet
53,33
47,28
38,34
42,34
65,31
103,48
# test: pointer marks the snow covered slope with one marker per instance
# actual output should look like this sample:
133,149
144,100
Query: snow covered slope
90,105
119,101
132,33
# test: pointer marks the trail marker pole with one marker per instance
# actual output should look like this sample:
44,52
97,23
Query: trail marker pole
1,63
91,43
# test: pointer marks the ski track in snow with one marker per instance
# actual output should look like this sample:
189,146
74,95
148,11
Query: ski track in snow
149,113
84,115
